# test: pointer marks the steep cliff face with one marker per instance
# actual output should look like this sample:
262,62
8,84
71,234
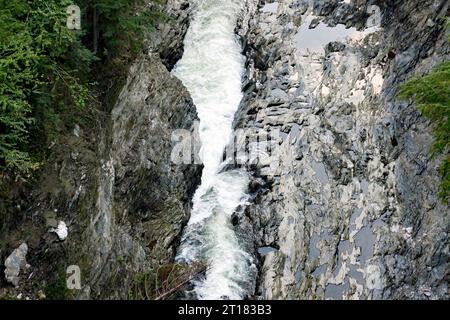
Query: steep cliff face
346,207
143,199
114,186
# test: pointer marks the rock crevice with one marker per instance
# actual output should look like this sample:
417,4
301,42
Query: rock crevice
121,199
351,206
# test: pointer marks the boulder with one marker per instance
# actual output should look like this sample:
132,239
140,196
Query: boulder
14,263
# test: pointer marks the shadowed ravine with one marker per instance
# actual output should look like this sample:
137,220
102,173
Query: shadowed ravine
211,69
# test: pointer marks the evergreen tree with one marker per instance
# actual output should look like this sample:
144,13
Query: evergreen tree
45,68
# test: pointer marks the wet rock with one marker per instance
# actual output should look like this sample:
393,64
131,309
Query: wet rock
143,198
15,263
76,130
355,182
334,47
235,219
263,251
115,184
168,40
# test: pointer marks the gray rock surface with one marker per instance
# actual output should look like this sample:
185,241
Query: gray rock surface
344,207
15,263
143,199
168,39
348,199
114,185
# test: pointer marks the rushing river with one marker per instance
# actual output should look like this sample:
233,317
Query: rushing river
211,69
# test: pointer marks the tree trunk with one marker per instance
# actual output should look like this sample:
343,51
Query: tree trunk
95,29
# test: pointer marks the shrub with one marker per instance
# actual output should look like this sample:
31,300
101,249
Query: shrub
431,94
46,77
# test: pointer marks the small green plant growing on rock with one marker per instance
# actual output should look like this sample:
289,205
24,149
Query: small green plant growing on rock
431,94
57,288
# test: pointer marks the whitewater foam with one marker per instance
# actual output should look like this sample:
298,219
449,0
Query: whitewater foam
211,69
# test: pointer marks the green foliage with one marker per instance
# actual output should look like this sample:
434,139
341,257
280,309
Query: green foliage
115,31
120,27
165,282
57,288
17,77
46,78
431,94
37,52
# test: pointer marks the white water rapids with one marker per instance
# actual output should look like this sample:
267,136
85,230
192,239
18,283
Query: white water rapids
211,69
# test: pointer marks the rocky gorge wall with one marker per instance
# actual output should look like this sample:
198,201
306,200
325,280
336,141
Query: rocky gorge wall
346,207
115,188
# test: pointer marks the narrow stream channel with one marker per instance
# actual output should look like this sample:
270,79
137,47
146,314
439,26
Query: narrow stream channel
211,69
